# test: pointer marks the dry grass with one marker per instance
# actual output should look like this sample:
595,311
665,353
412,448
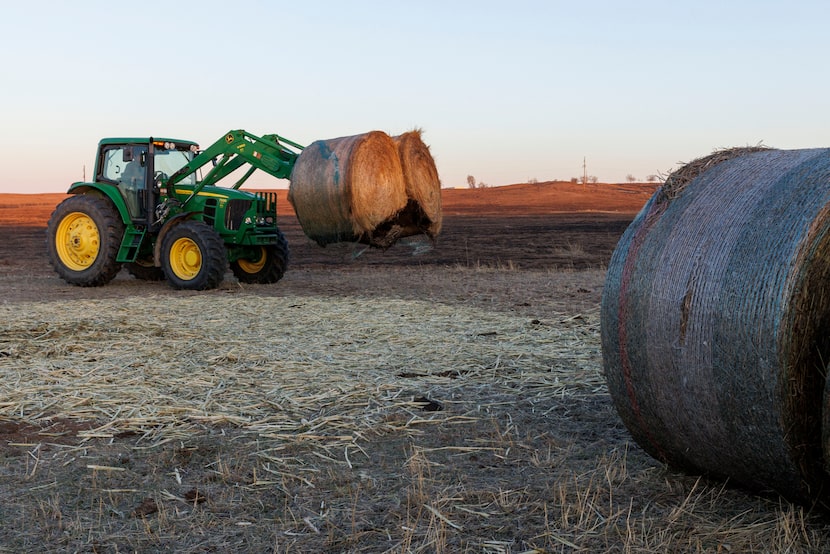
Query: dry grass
272,366
239,421
570,249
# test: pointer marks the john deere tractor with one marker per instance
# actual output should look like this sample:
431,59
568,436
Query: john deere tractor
147,209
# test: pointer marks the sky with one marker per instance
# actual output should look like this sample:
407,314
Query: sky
505,92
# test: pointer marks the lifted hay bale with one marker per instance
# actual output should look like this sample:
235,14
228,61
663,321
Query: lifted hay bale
423,186
716,320
349,189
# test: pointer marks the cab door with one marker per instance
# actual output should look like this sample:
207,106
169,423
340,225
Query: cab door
126,166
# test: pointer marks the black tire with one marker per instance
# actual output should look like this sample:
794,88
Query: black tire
82,240
268,267
193,256
144,270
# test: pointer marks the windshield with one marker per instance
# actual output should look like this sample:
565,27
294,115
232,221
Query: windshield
170,161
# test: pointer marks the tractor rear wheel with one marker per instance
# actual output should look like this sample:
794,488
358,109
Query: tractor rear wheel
83,237
268,267
193,256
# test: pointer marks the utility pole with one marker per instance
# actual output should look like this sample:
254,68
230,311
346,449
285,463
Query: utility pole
584,171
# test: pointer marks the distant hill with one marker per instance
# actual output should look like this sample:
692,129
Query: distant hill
512,200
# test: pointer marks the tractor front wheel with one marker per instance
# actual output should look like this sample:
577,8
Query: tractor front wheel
83,237
193,256
267,267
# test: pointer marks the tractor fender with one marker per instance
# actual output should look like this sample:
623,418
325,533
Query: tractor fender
107,191
169,224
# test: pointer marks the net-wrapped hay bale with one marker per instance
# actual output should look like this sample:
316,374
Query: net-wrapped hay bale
349,189
423,186
716,319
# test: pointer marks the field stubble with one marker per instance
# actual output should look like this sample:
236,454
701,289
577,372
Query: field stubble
446,402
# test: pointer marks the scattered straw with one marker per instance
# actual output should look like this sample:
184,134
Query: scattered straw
323,372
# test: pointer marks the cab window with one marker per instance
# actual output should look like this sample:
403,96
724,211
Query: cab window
169,162
124,164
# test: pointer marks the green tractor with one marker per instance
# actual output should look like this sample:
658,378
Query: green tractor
146,210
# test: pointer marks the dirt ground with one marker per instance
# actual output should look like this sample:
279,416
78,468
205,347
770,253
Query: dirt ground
547,226
496,467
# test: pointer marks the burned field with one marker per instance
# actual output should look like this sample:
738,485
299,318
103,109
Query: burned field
430,398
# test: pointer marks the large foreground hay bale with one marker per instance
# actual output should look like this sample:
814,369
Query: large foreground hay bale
423,186
716,319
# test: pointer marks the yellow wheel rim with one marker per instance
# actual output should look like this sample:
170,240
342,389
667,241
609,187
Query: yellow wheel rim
185,259
249,266
77,241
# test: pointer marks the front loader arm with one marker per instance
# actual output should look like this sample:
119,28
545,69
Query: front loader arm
269,153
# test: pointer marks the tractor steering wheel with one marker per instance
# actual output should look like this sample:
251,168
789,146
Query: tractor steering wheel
158,177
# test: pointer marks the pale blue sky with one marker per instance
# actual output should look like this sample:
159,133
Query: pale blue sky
504,91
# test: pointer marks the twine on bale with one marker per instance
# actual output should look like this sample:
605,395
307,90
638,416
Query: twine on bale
423,186
716,324
348,188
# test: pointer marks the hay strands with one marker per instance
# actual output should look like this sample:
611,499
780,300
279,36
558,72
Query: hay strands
327,381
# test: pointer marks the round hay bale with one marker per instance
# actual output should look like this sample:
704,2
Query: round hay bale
348,189
423,186
715,319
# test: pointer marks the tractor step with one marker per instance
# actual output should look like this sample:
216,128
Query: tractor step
130,244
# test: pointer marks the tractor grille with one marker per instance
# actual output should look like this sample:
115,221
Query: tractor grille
235,213
210,211
267,207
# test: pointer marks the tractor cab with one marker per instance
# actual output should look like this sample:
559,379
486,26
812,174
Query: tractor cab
138,167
